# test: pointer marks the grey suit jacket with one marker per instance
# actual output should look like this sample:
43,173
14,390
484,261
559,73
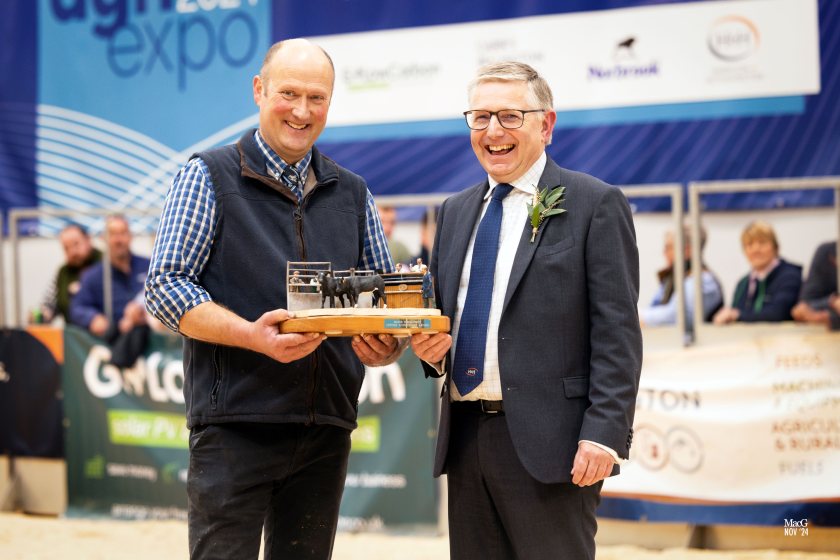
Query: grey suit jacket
570,346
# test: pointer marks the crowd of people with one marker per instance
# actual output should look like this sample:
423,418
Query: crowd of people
77,296
772,290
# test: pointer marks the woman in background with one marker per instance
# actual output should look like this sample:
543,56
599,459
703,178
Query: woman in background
771,289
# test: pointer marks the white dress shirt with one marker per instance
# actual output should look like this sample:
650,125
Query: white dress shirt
514,216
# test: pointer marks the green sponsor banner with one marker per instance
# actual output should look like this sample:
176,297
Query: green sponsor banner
152,429
126,440
125,432
389,478
367,438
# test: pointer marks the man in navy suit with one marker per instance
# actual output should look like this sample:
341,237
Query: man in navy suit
540,410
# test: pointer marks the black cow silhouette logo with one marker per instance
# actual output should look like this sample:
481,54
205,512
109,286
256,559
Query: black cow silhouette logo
624,49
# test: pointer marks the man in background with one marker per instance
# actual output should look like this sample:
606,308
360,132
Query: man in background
128,274
818,301
79,254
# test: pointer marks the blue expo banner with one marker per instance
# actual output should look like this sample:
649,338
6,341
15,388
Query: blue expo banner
128,90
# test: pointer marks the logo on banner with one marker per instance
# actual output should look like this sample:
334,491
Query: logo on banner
679,447
733,41
159,377
624,49
733,38
387,76
507,48
179,40
625,64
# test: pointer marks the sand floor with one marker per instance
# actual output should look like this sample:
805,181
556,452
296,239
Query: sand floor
26,537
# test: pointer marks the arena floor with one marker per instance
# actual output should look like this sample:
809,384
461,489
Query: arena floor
25,537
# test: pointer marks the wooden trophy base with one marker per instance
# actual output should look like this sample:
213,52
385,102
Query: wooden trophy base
348,322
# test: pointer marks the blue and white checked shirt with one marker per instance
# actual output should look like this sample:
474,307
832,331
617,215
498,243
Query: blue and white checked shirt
188,226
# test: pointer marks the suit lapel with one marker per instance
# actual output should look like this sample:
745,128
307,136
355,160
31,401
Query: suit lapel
467,216
525,252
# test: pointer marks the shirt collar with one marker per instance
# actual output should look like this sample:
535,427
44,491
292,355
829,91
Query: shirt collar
765,272
529,180
274,164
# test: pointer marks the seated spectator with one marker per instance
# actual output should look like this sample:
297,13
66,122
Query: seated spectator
663,308
79,254
771,289
818,298
399,252
128,274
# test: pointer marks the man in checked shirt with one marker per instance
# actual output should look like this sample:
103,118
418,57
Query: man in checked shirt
270,414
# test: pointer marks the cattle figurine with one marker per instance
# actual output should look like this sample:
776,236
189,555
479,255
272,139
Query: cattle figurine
360,284
332,287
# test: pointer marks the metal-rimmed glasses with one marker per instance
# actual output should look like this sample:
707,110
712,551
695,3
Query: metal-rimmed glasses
507,118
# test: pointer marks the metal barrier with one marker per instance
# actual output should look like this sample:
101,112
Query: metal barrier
699,188
18,214
675,192
432,201
672,190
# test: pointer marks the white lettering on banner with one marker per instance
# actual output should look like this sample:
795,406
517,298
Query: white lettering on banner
132,428
140,512
120,470
375,480
356,524
156,393
190,6
647,55
110,384
105,380
372,386
752,417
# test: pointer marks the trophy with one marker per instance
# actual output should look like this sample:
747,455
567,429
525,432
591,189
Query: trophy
351,302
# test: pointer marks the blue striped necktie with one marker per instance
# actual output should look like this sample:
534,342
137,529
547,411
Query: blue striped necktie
293,180
468,369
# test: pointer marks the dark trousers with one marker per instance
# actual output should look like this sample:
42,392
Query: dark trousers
285,478
498,511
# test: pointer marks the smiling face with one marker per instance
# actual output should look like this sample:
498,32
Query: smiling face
760,252
293,94
506,154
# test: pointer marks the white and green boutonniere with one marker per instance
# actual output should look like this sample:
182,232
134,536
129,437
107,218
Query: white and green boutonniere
545,205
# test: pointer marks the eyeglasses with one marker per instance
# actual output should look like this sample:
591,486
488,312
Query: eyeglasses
508,118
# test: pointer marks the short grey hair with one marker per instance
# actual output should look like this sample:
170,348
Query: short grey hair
511,71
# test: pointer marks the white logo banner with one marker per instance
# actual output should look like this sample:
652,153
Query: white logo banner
665,54
754,420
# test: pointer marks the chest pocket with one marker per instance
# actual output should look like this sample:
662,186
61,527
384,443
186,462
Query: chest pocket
563,245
